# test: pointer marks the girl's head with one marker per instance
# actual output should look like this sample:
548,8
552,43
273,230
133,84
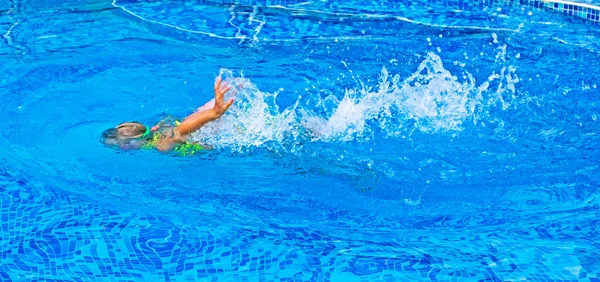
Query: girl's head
127,135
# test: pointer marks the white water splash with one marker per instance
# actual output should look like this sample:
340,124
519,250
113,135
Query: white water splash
431,100
254,119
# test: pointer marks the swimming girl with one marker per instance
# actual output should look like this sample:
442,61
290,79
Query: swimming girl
169,134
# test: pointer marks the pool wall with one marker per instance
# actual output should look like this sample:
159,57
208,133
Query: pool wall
586,11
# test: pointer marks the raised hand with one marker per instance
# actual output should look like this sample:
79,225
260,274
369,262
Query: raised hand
220,90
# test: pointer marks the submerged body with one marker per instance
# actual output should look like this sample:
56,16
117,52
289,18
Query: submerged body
162,133
169,134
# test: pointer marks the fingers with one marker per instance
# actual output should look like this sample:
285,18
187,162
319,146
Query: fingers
229,103
221,93
220,88
217,85
225,89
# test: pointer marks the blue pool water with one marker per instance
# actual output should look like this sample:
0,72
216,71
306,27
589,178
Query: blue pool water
370,141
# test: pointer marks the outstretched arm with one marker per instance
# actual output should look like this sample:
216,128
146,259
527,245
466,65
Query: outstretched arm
198,119
207,106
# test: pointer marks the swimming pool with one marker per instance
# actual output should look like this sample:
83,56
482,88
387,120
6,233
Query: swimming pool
370,141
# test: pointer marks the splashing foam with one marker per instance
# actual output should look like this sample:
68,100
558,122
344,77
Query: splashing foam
431,100
254,119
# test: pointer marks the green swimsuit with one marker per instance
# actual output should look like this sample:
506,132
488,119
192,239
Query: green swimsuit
185,149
